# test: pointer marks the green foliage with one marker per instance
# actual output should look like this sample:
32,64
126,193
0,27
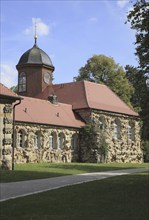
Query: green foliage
104,70
14,89
88,130
138,17
139,20
140,97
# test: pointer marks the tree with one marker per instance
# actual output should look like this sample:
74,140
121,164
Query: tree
140,97
139,20
14,89
103,69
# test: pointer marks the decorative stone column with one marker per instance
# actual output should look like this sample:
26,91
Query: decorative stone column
6,136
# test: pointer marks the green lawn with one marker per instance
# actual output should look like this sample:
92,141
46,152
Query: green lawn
117,198
48,170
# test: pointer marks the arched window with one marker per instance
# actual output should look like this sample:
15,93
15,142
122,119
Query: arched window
22,82
130,132
21,138
116,130
74,142
37,137
52,141
61,141
102,123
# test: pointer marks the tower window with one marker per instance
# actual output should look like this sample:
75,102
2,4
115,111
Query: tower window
22,82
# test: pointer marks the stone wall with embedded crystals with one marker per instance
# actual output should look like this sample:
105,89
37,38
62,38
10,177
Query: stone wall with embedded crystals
46,151
105,146
43,143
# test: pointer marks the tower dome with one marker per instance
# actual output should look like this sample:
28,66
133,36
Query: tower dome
35,55
35,71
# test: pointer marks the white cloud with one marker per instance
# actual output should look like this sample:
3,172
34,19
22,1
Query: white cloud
8,75
122,3
42,29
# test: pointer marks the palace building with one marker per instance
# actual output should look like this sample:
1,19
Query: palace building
76,121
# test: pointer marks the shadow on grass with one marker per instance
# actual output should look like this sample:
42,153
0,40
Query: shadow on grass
29,171
14,176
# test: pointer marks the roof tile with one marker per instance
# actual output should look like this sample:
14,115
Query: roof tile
5,91
41,111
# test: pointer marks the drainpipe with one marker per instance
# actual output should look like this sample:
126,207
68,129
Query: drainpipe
13,133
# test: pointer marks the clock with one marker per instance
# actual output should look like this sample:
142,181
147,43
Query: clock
47,78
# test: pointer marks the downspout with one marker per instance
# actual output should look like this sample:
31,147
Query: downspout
13,133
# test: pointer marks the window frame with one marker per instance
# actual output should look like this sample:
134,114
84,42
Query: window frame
22,82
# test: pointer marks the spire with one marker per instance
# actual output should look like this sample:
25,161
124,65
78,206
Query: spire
35,35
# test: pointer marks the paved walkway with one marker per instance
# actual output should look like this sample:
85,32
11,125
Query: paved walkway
24,188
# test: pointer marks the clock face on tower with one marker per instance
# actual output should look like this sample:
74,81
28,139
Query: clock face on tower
47,78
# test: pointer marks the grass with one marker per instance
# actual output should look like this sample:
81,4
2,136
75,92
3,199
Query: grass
47,170
117,198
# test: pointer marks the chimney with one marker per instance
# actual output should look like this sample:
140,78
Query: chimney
53,99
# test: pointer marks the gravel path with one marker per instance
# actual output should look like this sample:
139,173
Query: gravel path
18,189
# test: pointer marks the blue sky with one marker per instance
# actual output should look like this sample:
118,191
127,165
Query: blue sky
70,32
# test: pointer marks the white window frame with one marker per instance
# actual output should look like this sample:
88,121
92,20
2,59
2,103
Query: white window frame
61,140
129,132
37,140
21,138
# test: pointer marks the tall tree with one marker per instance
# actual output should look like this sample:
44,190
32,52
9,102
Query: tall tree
139,20
103,69
140,98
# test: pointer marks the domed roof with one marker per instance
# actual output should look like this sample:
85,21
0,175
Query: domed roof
35,56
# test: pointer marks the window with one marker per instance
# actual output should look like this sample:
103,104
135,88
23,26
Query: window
52,140
37,140
102,123
130,132
74,142
21,138
61,140
22,82
116,130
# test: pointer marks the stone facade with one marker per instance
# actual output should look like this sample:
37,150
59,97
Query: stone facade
41,143
6,121
115,138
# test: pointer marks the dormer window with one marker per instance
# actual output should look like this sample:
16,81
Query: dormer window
22,82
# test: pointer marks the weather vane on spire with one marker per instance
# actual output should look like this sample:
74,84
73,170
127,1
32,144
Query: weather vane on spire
35,35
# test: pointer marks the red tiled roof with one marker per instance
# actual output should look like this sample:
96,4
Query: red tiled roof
41,111
85,94
7,92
